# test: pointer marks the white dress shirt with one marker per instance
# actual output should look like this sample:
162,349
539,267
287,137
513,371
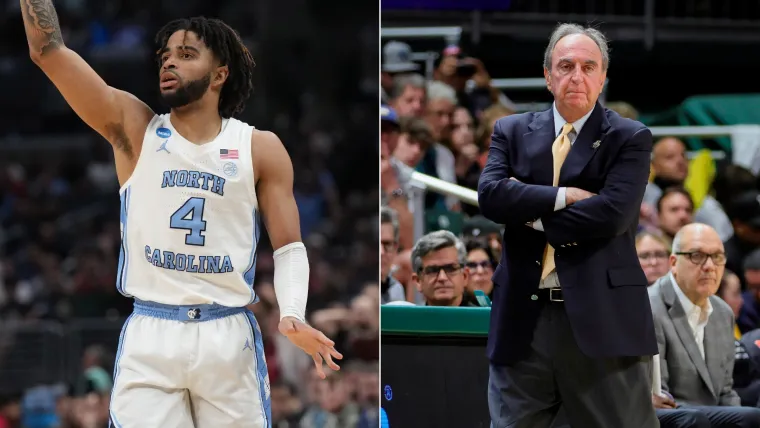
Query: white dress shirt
552,280
697,316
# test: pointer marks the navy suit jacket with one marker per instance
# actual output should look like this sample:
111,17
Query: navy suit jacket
604,287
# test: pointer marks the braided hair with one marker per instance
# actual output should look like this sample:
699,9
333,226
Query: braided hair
227,46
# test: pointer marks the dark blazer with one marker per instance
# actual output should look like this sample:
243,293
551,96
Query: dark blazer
691,379
604,288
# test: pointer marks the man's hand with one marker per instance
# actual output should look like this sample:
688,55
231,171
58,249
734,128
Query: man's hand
574,194
663,402
311,341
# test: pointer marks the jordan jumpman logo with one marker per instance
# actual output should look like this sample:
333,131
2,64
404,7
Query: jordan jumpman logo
247,345
163,147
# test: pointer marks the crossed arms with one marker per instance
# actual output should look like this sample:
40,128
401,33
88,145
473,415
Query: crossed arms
586,216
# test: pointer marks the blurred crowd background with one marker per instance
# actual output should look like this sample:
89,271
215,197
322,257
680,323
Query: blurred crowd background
448,75
60,313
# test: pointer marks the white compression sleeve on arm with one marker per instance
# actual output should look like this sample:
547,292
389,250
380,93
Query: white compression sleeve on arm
291,280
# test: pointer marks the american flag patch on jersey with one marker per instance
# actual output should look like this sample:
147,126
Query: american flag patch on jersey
228,154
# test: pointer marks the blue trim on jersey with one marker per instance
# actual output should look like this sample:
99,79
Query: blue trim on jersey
119,353
261,368
250,273
121,276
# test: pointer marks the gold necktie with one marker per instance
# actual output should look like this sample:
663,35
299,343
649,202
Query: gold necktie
560,149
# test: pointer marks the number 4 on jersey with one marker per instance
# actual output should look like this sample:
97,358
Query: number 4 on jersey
190,217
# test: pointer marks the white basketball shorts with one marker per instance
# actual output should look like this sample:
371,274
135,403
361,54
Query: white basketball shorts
190,366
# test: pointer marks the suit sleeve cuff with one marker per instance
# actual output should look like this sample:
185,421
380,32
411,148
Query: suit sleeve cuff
560,202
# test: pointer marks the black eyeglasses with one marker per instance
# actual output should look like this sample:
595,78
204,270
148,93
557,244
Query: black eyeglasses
484,264
699,258
449,269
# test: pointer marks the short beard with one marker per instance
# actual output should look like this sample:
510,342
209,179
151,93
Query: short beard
186,94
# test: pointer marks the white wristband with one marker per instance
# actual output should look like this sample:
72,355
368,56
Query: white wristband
291,280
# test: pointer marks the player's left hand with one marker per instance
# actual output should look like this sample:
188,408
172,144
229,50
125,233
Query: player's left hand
311,341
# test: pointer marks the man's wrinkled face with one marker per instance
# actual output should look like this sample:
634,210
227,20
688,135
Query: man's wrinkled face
577,75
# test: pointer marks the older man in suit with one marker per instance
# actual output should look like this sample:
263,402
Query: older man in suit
695,331
570,321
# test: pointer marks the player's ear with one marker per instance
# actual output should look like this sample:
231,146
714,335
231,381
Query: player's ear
220,75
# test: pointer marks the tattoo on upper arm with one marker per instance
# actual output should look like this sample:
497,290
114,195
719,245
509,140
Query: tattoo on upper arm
42,20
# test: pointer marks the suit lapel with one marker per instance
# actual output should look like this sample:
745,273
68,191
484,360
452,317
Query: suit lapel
678,317
712,355
595,129
538,146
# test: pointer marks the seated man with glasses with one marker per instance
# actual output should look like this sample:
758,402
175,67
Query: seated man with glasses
438,268
694,331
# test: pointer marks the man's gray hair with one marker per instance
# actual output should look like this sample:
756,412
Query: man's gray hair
440,91
403,81
564,30
435,241
389,215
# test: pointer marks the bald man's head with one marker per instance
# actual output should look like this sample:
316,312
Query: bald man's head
698,261
669,160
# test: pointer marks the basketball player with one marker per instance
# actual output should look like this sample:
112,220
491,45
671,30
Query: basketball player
193,183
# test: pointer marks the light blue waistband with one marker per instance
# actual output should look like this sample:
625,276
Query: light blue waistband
192,313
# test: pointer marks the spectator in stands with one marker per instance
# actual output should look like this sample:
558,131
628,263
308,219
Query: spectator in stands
397,59
438,268
287,408
466,153
653,251
746,373
408,95
675,210
395,189
693,330
414,141
486,232
441,102
623,109
480,266
731,181
744,211
439,160
731,293
10,410
334,407
670,167
749,317
455,69
391,290
487,120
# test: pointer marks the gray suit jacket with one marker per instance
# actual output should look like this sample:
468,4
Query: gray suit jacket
689,378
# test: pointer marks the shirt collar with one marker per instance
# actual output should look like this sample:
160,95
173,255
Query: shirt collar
559,122
688,306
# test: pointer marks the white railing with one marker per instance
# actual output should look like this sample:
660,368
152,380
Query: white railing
445,188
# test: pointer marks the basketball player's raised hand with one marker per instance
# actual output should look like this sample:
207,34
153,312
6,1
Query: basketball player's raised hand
311,341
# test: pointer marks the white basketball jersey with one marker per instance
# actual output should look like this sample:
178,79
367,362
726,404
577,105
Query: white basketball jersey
189,219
